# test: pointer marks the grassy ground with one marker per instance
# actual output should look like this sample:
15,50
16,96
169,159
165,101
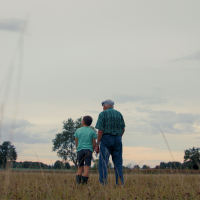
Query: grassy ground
38,185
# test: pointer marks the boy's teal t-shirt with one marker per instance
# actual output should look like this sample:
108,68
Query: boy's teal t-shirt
85,136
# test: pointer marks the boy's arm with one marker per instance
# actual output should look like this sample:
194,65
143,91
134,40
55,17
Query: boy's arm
76,141
94,143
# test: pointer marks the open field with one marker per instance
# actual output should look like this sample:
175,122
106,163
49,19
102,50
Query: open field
38,185
95,171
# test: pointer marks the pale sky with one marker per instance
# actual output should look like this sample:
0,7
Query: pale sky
144,55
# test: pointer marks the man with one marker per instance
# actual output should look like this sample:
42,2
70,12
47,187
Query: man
111,127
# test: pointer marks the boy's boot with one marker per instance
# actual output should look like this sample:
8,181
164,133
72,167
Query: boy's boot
78,179
84,180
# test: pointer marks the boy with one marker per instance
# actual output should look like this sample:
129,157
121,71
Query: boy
85,139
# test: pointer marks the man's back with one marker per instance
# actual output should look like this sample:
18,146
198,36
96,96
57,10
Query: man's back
111,122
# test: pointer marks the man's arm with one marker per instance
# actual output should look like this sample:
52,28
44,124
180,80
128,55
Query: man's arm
99,137
94,143
76,141
123,132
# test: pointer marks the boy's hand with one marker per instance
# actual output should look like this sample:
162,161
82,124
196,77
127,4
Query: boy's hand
97,149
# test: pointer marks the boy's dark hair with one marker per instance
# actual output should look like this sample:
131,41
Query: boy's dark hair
88,120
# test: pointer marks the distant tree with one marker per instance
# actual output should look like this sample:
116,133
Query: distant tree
64,143
67,165
136,167
58,165
157,167
34,165
49,167
8,154
73,167
193,156
145,167
17,165
163,165
26,164
170,165
96,164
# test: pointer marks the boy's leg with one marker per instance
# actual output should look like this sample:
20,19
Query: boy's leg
80,156
87,159
80,171
86,174
79,174
86,171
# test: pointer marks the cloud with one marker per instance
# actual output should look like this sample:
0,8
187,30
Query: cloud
145,100
12,24
9,123
196,138
168,122
52,130
22,132
92,111
195,57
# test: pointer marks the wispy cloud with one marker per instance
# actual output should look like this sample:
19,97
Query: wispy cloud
92,111
168,122
52,130
12,24
23,133
192,57
145,100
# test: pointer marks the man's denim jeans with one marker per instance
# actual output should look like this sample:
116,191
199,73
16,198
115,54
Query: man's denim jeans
110,144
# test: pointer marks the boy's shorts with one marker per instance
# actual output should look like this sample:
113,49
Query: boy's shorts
84,155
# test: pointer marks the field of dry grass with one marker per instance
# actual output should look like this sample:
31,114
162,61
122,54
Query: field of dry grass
37,185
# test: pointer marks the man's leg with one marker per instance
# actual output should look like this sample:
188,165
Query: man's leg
103,160
117,159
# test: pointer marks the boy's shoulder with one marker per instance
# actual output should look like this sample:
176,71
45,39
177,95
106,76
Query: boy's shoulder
79,129
85,129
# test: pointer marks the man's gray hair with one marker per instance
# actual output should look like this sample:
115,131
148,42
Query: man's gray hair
108,102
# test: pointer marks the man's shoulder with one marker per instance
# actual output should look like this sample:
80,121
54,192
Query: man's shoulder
102,113
119,114
116,111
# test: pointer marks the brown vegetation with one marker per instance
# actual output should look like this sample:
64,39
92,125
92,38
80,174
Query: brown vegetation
39,185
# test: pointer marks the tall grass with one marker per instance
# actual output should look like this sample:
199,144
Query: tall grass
37,185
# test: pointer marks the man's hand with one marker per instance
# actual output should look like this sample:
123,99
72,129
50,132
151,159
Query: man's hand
97,149
99,136
123,132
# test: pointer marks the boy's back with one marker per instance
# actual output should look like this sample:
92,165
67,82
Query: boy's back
85,136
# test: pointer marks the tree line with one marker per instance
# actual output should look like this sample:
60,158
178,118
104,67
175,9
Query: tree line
64,145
